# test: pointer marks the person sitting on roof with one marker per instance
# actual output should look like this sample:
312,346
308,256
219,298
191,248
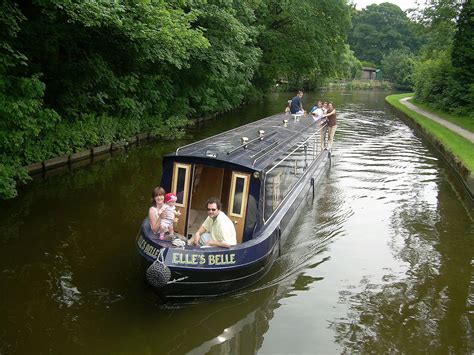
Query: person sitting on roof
217,230
296,106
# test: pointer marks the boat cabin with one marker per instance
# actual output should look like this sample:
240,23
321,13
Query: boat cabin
251,169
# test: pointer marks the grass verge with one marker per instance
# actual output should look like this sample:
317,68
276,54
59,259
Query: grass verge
459,146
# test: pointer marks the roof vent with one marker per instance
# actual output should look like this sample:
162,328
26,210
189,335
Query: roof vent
244,141
285,123
211,154
261,132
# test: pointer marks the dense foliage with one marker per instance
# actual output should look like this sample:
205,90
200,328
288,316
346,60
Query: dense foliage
301,40
76,74
462,57
443,75
398,67
378,30
430,51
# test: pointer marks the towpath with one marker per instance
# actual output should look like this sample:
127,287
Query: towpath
455,128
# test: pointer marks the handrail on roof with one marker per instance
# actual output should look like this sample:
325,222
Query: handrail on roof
270,146
260,138
298,145
225,132
297,133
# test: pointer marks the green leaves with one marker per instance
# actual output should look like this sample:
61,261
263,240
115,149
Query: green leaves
398,67
379,29
443,75
299,38
75,74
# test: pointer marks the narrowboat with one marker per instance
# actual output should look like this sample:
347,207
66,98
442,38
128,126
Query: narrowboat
261,172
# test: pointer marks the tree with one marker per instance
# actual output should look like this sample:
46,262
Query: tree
219,76
22,114
300,39
349,67
379,29
76,74
398,67
436,23
462,56
443,74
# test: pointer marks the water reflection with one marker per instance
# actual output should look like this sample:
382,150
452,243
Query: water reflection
237,324
419,305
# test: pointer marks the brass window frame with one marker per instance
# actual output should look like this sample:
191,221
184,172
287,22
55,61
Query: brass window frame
245,192
187,175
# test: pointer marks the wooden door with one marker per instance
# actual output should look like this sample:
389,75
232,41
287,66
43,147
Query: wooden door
237,206
181,186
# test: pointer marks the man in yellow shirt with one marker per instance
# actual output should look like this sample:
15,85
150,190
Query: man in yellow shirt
217,230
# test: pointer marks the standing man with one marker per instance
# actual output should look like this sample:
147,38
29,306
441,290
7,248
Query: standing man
296,105
217,230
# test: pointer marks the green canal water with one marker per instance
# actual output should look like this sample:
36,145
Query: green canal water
380,262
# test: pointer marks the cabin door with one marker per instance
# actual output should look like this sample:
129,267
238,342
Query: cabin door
180,186
207,181
237,206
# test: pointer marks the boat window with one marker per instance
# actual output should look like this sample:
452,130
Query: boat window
181,182
239,189
281,179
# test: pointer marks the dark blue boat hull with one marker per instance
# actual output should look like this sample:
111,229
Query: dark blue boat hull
215,271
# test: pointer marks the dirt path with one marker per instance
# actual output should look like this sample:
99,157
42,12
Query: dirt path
455,128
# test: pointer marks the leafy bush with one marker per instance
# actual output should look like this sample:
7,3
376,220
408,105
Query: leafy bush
398,67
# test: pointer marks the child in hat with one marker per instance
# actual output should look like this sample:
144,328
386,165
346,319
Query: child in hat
168,215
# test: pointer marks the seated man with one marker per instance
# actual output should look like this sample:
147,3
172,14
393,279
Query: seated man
296,106
217,230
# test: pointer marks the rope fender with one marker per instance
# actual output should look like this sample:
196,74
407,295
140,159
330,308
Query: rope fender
158,274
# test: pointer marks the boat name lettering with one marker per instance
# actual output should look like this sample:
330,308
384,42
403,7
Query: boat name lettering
189,259
147,248
200,259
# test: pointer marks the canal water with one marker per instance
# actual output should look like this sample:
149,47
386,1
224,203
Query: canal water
381,261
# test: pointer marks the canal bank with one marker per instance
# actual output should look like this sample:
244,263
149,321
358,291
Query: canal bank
423,122
88,156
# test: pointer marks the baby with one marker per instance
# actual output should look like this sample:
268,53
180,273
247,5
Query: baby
168,215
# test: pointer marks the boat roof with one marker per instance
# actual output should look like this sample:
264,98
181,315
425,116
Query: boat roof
268,139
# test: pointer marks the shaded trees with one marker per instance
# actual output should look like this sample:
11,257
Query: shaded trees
77,74
22,114
462,57
444,74
398,67
219,76
379,29
300,39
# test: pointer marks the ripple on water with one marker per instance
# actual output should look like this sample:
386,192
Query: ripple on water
385,159
67,294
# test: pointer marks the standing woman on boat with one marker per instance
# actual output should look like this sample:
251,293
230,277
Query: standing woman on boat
154,212
332,123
